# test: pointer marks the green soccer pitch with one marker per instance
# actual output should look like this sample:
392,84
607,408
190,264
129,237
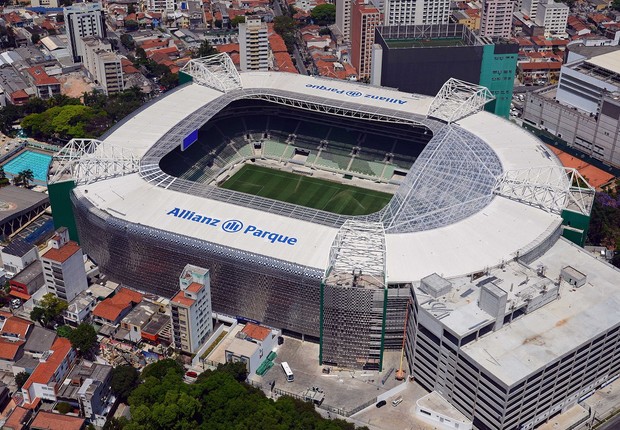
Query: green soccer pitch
306,191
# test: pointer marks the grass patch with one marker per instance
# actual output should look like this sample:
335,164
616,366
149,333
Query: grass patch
306,191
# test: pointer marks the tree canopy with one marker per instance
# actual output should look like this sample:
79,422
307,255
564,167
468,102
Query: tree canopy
215,400
324,14
237,20
205,49
286,27
50,307
83,338
124,380
605,222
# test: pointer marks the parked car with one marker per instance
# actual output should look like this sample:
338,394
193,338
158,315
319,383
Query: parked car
381,404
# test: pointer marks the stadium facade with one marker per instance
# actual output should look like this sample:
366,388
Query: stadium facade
508,320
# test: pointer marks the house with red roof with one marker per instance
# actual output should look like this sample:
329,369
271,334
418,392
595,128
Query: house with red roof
47,86
54,421
54,365
251,346
113,309
14,333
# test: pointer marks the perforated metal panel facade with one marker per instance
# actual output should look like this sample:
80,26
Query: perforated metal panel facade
276,293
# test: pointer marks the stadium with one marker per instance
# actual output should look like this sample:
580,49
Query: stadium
332,210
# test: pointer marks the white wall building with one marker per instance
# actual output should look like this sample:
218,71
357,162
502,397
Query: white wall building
63,267
17,255
253,45
412,12
553,16
102,64
343,18
496,19
251,346
529,8
81,20
192,320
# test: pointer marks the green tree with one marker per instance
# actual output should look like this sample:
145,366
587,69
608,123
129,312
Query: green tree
20,379
236,370
615,4
2,173
161,368
217,23
50,307
115,423
26,177
35,39
127,41
205,50
124,380
169,80
131,9
131,25
237,20
64,331
83,338
64,407
285,26
324,14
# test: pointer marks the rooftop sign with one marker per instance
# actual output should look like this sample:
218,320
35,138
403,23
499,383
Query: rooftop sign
356,94
233,226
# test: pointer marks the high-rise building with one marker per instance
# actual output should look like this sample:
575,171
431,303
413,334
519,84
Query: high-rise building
436,53
553,16
343,18
81,20
416,12
496,20
364,19
103,65
191,310
63,267
253,45
529,8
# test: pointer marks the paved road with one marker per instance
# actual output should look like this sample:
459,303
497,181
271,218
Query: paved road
614,424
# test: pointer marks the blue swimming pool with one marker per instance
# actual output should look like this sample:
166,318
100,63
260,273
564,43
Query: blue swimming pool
35,161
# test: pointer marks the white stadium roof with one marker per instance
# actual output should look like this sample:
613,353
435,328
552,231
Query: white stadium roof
479,238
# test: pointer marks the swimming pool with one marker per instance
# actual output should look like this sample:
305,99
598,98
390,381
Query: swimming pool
35,161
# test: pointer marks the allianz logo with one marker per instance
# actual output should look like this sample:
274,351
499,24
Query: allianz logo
233,226
356,94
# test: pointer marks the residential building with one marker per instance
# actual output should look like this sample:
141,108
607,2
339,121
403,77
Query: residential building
13,334
87,388
416,12
17,419
81,20
431,55
46,86
530,8
45,3
80,308
50,421
192,321
138,318
17,255
583,110
253,45
102,64
553,16
251,346
112,310
28,281
496,20
158,330
364,19
44,382
343,18
63,267
38,343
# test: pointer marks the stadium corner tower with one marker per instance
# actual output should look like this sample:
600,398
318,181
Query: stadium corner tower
471,192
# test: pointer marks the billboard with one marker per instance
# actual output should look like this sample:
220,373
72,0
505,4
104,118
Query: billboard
189,139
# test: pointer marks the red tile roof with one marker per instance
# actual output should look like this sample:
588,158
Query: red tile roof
182,300
15,325
44,372
9,348
228,47
256,331
541,65
63,253
111,308
154,43
40,77
277,43
128,67
194,287
16,419
50,421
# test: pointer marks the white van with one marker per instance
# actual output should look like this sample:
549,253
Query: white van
397,401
